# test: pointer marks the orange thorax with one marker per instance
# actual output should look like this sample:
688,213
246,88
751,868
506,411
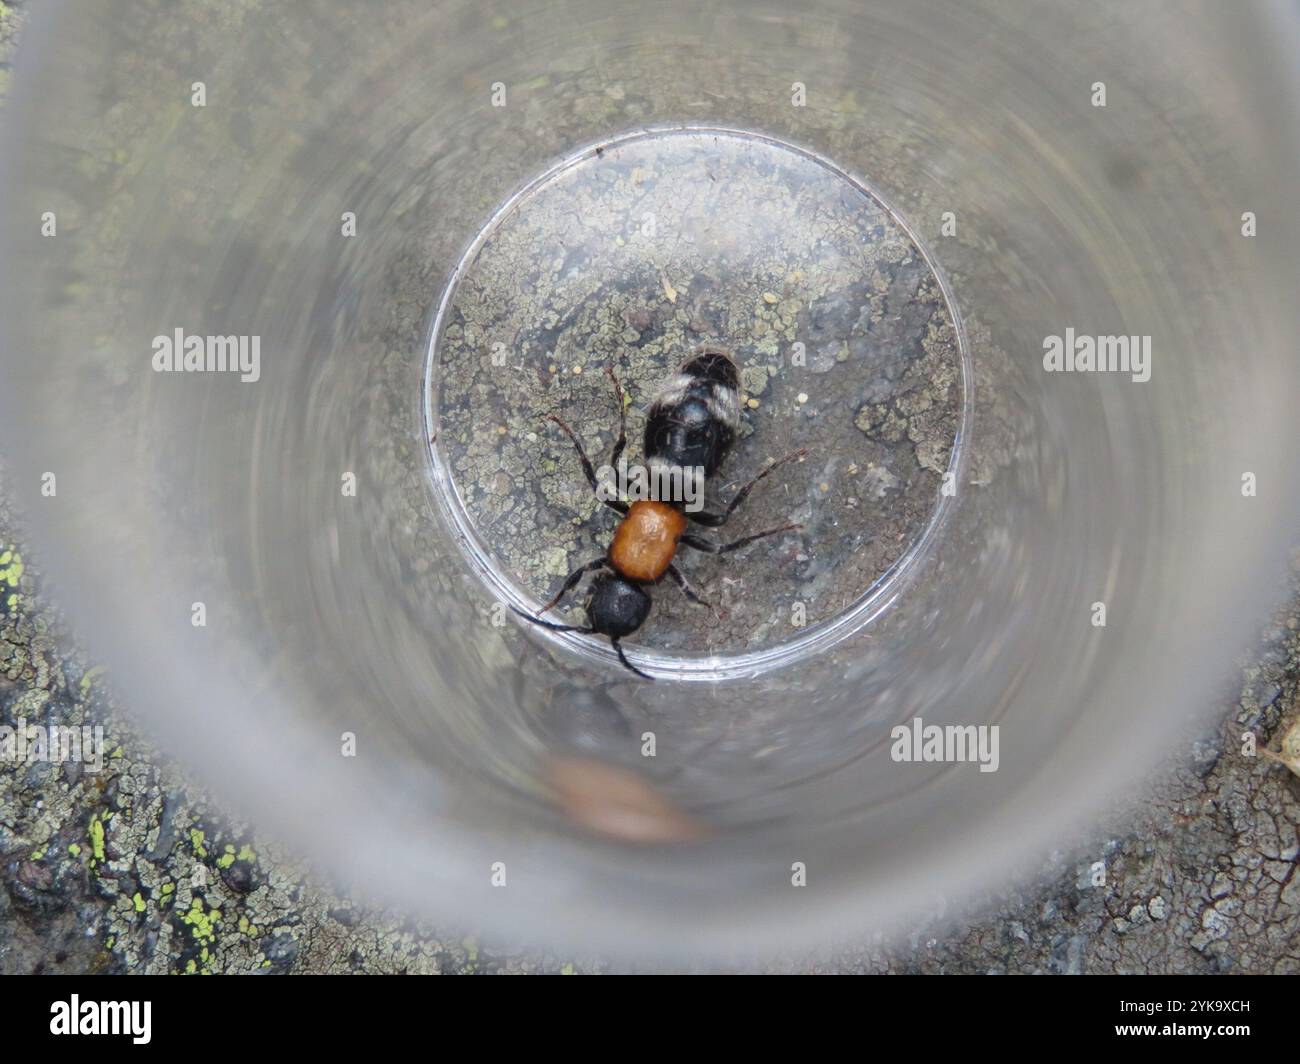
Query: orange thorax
646,540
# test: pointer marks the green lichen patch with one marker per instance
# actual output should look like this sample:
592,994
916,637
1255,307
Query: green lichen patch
95,833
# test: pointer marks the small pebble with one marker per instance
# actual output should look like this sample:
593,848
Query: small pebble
803,397
752,404
769,297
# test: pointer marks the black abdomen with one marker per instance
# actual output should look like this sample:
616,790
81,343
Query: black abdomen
692,423
687,435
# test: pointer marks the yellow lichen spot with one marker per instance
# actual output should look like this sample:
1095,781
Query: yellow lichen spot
202,924
89,678
75,850
770,298
97,838
196,840
11,568
138,902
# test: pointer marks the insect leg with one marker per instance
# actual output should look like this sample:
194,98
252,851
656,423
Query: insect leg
687,590
726,548
718,520
587,470
571,581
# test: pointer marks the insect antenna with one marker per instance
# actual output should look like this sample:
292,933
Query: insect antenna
618,649
552,626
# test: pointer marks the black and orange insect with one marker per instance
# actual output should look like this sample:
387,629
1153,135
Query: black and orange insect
690,427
